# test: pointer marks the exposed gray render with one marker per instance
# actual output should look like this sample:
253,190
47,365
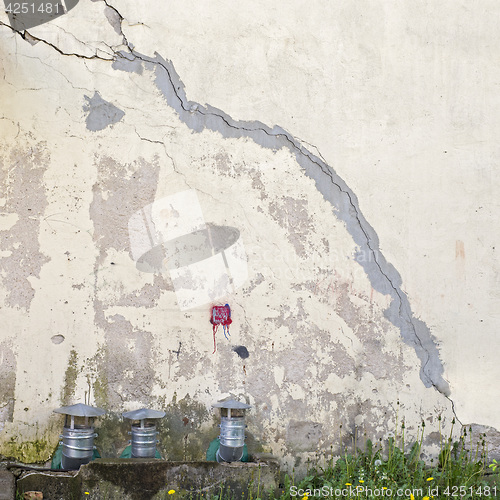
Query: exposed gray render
100,113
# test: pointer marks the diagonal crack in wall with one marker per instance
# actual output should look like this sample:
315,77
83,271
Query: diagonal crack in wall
383,277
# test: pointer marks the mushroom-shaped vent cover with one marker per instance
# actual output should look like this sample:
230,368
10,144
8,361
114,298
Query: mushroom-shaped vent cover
232,404
81,410
143,413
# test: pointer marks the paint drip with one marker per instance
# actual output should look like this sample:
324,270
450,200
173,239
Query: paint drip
221,315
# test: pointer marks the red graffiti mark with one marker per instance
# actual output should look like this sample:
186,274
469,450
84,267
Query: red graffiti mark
221,315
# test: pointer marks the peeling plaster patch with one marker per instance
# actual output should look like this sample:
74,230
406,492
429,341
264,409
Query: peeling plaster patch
123,373
193,361
57,339
304,435
259,278
227,167
383,277
292,215
373,358
149,295
341,362
121,190
114,19
7,387
435,438
127,62
363,414
224,164
478,432
21,181
101,113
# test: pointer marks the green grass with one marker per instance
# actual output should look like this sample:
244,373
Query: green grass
394,469
397,470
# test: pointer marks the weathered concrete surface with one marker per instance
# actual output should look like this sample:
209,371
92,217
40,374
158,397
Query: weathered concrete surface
140,479
351,150
7,485
57,485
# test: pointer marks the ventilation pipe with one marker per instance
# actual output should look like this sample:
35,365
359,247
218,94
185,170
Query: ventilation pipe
78,434
143,441
232,430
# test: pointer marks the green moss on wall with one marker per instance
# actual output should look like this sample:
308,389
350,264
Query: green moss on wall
70,379
100,388
112,435
182,433
29,452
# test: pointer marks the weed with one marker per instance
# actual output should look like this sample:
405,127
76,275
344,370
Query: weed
397,470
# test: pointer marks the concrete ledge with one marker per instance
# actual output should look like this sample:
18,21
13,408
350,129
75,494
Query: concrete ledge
7,485
53,485
139,479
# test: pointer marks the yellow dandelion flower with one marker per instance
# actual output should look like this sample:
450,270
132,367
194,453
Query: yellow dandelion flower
348,484
411,496
425,498
171,492
430,478
361,481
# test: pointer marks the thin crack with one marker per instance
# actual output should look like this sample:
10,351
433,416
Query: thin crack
453,410
117,12
148,140
25,34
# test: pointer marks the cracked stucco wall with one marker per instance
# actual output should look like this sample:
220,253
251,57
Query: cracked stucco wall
351,149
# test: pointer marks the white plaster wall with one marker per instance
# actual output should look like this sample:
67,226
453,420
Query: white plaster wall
401,102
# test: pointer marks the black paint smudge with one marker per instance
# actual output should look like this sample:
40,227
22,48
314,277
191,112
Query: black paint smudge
241,351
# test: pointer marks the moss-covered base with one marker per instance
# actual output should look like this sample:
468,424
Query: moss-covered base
139,479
